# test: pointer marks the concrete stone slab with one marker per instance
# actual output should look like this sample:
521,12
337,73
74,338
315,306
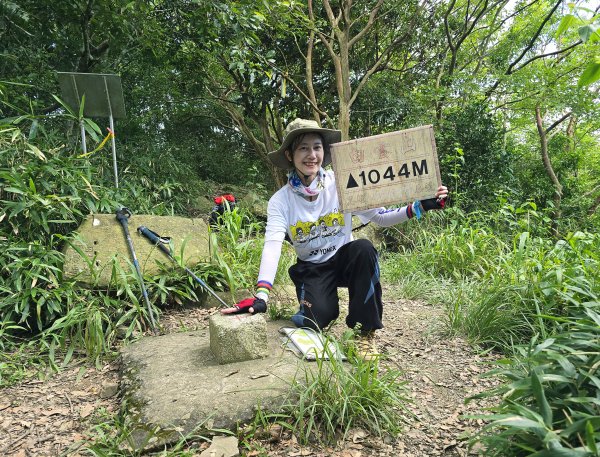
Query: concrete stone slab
238,337
173,385
102,241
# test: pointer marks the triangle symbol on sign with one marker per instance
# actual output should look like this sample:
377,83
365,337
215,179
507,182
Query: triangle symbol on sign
351,182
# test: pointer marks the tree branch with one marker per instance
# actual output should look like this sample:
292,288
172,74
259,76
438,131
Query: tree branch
368,26
591,192
527,48
534,37
544,149
447,27
560,51
556,123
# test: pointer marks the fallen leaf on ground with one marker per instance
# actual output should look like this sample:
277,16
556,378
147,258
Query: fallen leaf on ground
86,410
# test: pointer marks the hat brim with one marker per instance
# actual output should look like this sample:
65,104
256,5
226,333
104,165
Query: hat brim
278,157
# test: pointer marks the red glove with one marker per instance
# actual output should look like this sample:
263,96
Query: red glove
258,305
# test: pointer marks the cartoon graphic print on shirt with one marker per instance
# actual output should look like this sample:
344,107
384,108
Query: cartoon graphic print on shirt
314,233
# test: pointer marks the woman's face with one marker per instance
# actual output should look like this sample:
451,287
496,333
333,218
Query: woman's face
307,157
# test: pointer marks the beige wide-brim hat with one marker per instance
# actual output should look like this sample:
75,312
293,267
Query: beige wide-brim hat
298,127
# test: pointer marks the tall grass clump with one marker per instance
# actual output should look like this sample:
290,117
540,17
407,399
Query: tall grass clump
547,274
528,282
494,287
487,314
236,247
329,397
449,245
549,398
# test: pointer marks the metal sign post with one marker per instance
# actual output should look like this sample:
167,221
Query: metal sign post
103,98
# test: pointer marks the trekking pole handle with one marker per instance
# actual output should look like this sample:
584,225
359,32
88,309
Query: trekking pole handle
155,239
145,231
123,215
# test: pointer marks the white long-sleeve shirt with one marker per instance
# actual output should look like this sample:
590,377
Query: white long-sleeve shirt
317,228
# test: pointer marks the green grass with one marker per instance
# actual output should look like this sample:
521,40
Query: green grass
20,361
114,435
330,397
549,398
532,297
493,291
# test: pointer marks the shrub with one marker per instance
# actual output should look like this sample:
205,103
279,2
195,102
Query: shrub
550,403
46,191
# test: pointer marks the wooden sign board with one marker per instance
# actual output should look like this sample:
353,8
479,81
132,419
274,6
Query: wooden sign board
389,169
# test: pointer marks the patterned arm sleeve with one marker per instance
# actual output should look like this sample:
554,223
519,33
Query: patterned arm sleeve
268,268
274,236
387,217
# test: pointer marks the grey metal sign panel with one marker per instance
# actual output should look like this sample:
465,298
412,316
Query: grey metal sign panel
103,93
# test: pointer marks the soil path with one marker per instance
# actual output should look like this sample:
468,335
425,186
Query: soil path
61,415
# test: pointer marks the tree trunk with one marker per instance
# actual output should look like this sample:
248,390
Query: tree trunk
592,209
279,175
339,41
90,54
570,146
549,170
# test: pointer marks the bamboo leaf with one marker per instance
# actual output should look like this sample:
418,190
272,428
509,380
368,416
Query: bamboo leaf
35,151
561,452
590,437
13,190
81,105
540,397
64,105
578,427
520,423
540,347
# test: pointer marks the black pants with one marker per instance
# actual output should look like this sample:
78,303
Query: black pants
354,266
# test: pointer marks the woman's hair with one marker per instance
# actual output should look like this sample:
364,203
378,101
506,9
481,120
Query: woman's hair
296,142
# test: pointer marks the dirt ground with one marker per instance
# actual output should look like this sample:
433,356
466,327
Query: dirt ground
56,416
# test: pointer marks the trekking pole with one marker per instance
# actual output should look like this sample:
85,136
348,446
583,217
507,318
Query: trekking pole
123,216
160,242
